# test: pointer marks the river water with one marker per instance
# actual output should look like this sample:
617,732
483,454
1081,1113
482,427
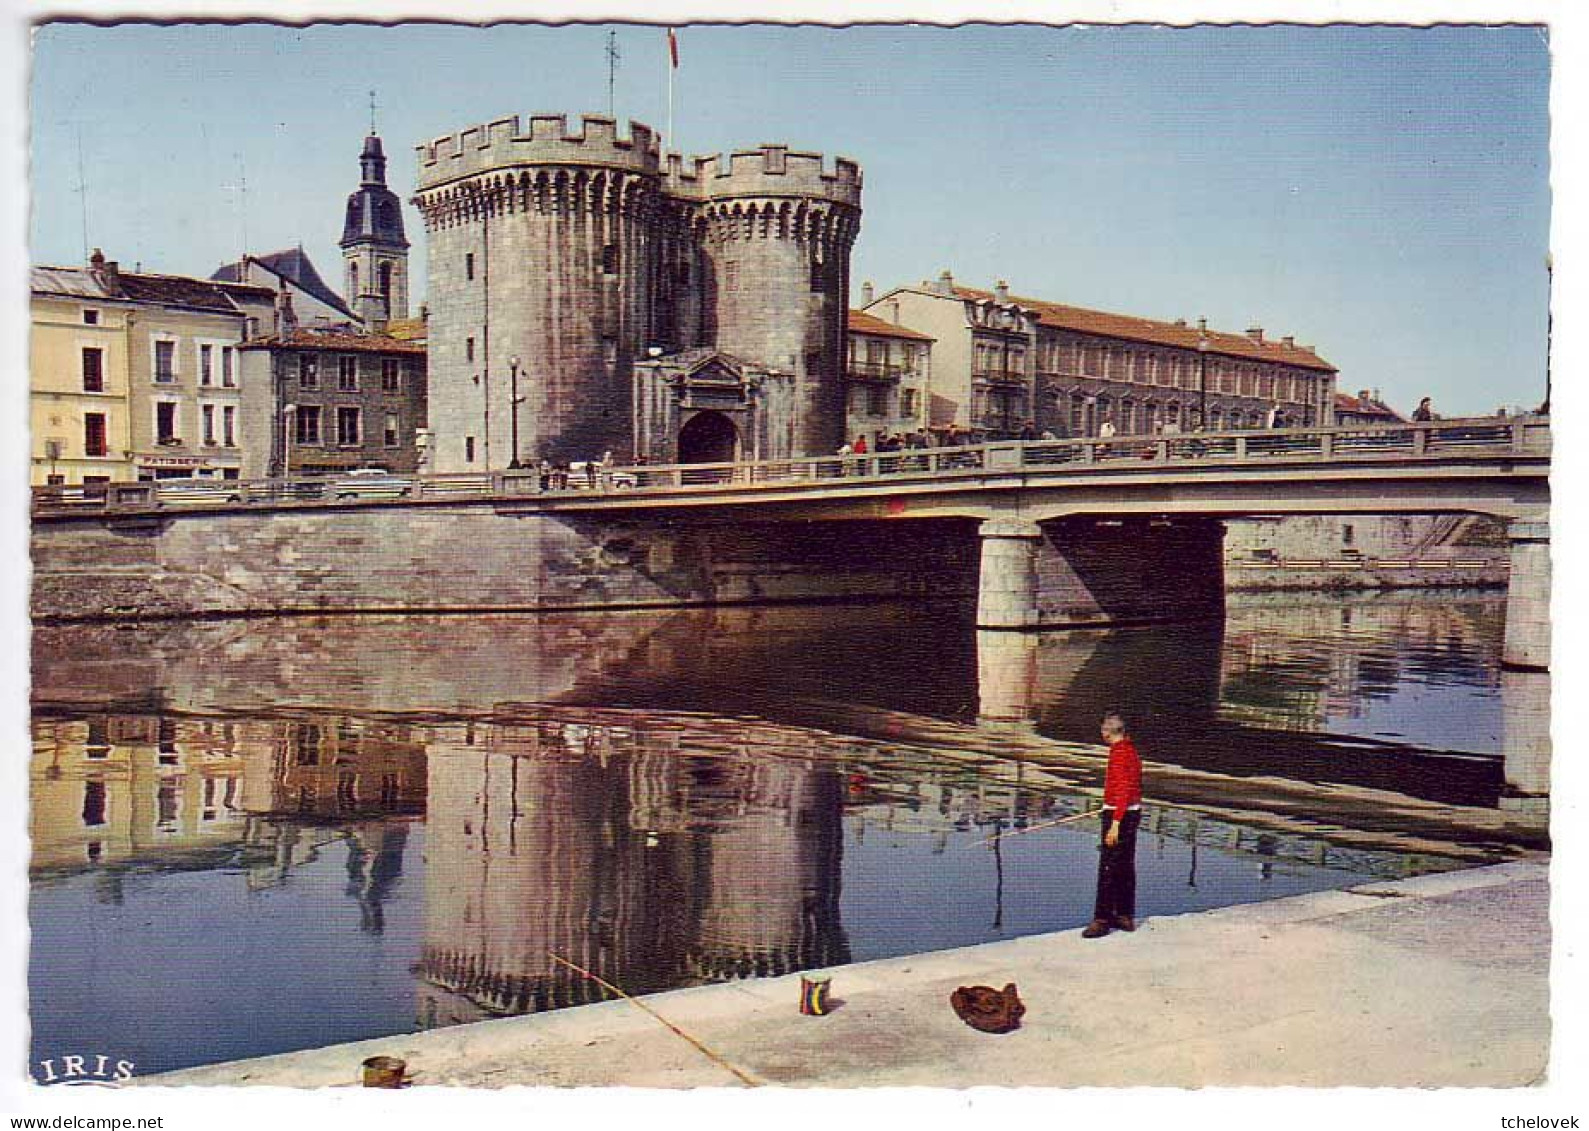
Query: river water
257,836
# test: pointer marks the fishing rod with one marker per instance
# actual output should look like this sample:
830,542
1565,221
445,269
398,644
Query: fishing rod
748,1081
1034,828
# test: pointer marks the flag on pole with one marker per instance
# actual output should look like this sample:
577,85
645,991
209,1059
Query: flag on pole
673,48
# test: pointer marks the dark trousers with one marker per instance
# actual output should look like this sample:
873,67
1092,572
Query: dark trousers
1117,869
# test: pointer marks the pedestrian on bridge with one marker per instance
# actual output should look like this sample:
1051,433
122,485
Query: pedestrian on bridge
1115,906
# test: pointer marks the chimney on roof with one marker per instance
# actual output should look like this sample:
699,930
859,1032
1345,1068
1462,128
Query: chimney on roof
1289,342
893,310
1202,325
1181,322
1255,333
1362,395
868,296
106,272
286,318
946,283
1001,291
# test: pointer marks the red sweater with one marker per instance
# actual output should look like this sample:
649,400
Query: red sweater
1122,782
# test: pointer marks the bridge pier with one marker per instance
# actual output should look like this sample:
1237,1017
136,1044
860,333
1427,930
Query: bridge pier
1527,642
1092,570
1007,581
1525,678
1525,731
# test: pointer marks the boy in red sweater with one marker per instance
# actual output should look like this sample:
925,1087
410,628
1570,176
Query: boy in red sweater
1122,813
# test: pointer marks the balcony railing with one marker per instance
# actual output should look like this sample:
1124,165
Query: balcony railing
999,376
1304,449
875,371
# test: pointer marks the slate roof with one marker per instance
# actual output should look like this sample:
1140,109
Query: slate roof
374,214
864,323
70,282
293,265
1129,327
142,287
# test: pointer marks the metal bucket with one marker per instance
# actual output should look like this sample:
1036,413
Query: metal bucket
814,994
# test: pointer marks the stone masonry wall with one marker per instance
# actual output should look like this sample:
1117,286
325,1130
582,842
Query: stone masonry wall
469,557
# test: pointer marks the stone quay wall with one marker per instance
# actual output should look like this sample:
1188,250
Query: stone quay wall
460,557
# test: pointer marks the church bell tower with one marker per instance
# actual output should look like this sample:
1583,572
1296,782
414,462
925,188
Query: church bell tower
374,249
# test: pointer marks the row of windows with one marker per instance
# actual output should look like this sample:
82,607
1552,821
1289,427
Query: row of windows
1182,371
348,373
96,439
873,400
999,357
165,364
349,427
166,417
877,354
1142,417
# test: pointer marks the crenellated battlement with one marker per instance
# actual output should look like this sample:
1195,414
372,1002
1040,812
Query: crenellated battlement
771,170
505,142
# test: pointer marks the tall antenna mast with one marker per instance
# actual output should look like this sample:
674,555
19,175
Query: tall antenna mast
242,196
82,189
372,113
612,71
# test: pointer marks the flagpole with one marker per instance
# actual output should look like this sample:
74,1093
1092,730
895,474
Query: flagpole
671,66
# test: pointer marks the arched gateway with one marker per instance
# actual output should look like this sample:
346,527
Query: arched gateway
708,437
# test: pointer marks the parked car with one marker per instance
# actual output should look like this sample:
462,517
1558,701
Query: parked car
371,483
579,476
191,492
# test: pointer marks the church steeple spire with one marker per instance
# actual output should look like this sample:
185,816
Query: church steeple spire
372,162
374,248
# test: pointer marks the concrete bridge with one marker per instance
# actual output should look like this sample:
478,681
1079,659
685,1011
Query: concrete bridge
1067,532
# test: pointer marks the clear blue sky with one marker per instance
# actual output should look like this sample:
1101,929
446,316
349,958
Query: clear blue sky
1380,193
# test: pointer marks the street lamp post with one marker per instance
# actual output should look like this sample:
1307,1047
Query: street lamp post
515,400
1202,381
289,420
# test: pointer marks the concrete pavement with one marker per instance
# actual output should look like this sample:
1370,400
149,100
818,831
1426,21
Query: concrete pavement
1440,980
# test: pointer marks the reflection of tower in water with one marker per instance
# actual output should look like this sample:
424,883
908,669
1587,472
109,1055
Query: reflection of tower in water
587,841
772,887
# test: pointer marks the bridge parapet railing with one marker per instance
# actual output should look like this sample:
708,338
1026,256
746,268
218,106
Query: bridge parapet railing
1435,439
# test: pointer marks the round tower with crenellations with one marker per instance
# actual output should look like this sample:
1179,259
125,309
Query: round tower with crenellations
558,260
776,229
541,260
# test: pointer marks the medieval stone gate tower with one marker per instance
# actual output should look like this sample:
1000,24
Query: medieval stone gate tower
558,261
